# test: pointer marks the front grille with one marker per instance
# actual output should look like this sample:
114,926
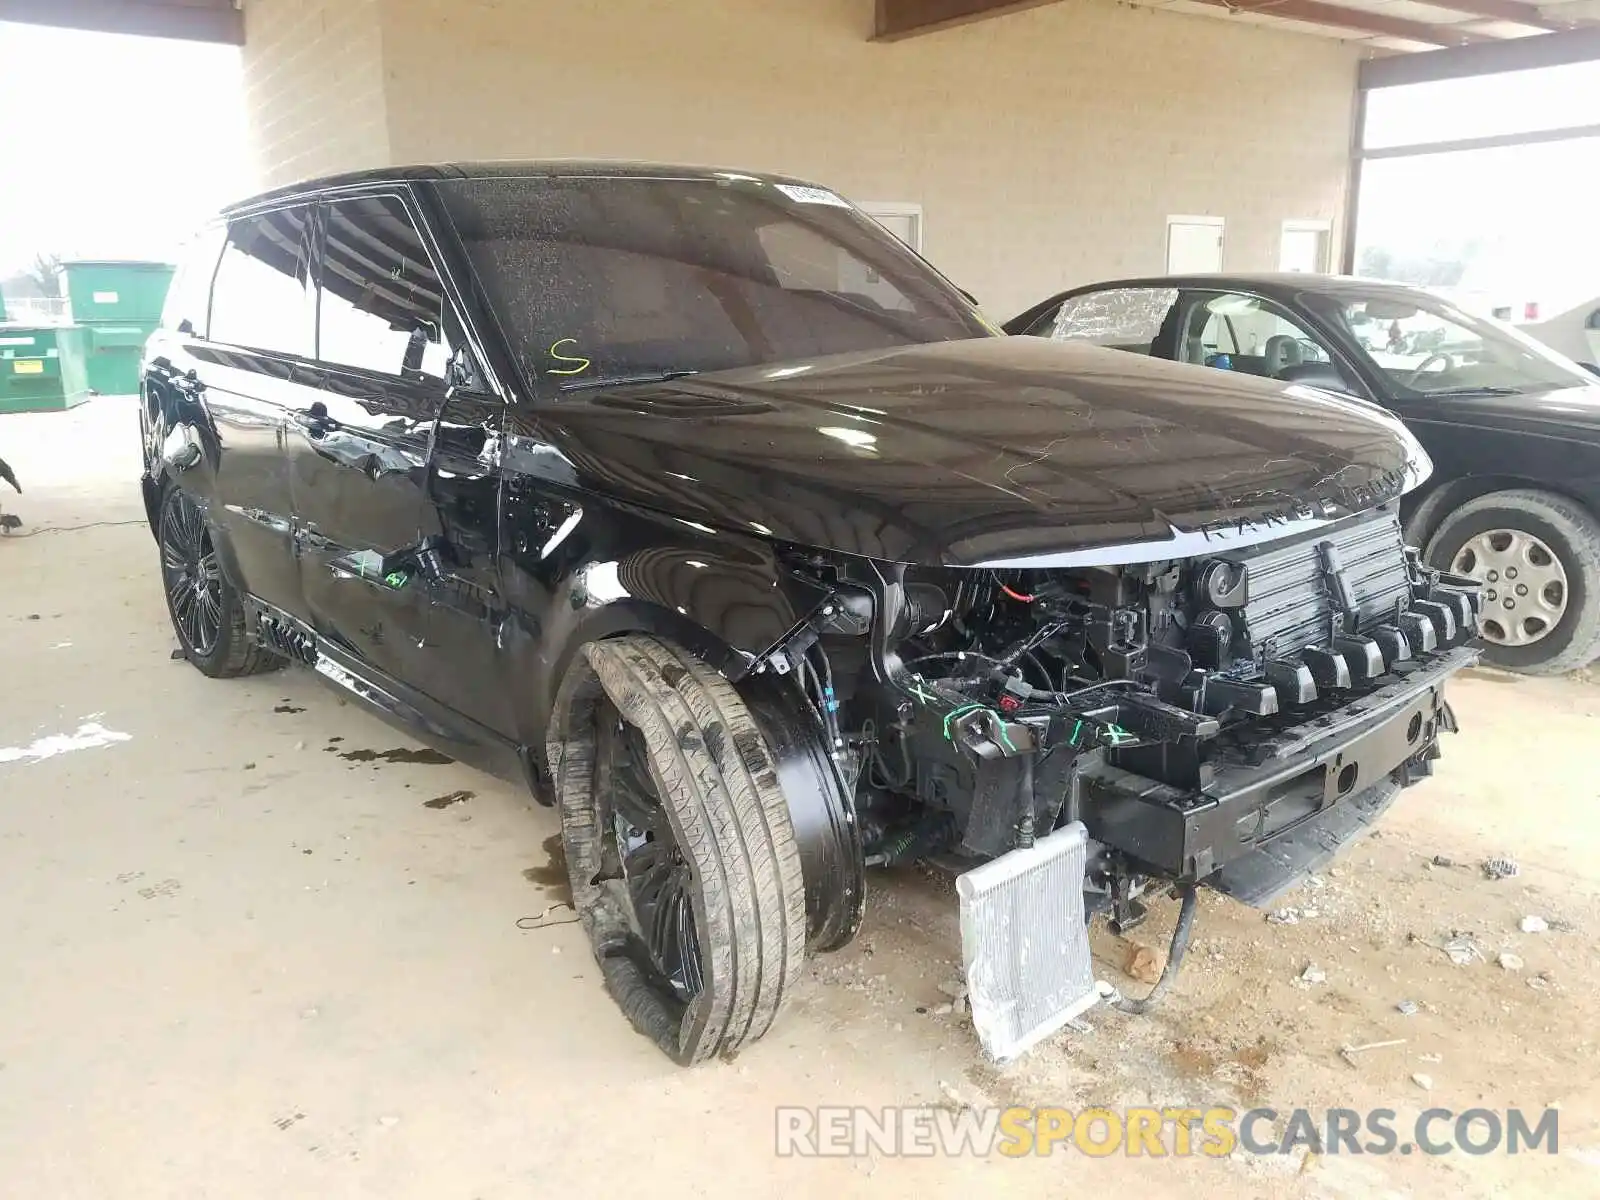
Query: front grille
1291,601
1315,617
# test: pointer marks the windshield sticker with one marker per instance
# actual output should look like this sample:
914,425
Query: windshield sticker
811,195
555,353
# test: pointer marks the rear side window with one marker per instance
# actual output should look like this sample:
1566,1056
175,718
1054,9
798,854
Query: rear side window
382,304
190,294
262,298
1122,318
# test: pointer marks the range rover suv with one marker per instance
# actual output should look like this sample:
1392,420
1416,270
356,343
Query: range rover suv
702,504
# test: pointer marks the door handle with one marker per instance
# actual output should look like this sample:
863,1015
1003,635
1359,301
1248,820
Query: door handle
315,420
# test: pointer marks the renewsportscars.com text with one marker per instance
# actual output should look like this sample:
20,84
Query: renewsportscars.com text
928,1131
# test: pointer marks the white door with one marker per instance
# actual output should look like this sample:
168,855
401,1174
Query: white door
902,220
1304,247
1194,245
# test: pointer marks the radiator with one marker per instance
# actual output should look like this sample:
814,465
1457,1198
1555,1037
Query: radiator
1025,942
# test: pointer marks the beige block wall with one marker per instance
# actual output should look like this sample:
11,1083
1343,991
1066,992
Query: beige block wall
1047,148
314,88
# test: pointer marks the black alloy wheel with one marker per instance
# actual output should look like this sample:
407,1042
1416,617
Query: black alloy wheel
191,575
644,849
681,849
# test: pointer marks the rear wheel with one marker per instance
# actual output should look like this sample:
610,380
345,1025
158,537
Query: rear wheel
1537,556
680,847
207,614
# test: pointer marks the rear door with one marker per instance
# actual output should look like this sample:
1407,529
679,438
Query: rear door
254,363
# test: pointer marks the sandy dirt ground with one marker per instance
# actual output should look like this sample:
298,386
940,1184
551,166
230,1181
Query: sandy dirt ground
244,956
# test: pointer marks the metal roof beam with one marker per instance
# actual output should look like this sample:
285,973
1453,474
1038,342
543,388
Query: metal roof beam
1490,58
1534,137
196,21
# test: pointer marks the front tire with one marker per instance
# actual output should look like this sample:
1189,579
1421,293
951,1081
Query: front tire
681,852
1537,556
206,610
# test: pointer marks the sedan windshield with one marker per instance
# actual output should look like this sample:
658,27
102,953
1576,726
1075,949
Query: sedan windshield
612,280
1421,345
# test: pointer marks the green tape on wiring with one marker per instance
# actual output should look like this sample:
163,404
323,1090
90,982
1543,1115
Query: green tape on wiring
958,712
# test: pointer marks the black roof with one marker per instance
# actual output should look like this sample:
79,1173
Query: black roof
501,169
1283,283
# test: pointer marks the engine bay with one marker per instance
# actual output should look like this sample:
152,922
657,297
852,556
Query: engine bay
977,710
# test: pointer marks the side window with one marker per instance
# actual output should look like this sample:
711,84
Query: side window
190,294
262,297
1246,333
1219,335
382,305
1121,318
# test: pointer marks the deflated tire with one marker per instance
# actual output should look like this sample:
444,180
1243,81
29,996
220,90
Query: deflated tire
683,862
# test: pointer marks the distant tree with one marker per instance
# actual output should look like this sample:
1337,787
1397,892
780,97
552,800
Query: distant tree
46,274
1439,266
1376,262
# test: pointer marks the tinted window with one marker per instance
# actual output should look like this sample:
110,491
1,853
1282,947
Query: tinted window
603,278
190,294
262,297
382,306
1122,318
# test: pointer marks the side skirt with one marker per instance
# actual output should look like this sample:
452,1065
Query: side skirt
399,704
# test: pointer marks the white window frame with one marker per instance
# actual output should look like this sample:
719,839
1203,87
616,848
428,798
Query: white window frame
896,208
1220,223
1299,225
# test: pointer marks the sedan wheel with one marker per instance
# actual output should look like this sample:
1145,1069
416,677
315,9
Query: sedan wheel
1537,556
1525,585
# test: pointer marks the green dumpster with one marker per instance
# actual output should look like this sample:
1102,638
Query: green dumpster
128,292
42,367
114,354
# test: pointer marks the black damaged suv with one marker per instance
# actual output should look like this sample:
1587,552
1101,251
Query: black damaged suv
701,503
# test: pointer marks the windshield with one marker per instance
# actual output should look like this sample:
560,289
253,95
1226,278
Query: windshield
599,279
1423,346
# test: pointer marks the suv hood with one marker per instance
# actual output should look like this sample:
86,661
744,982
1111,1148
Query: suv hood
992,452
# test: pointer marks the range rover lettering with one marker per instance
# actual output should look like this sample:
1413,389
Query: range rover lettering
706,507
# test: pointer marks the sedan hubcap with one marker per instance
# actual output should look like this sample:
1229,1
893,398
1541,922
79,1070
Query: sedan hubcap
1524,585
